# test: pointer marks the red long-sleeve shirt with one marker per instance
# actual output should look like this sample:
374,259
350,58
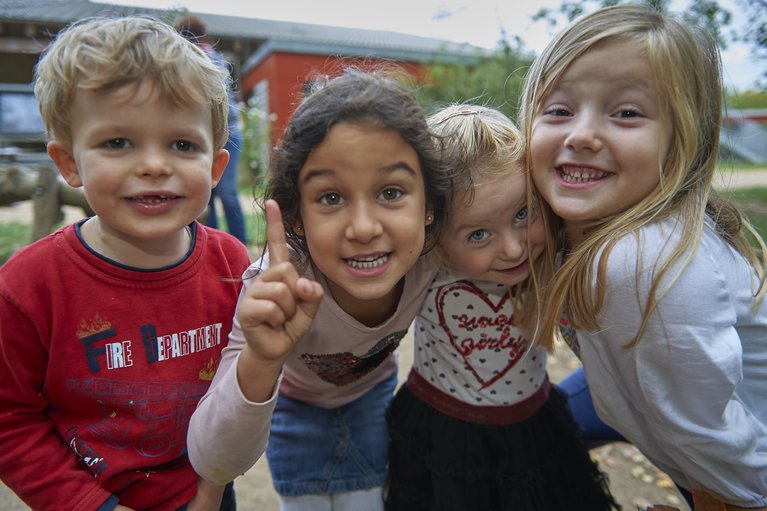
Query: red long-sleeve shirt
101,367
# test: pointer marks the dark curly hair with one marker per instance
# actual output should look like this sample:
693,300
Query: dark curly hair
370,97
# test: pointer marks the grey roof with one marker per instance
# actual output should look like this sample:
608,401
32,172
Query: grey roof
283,34
62,11
743,137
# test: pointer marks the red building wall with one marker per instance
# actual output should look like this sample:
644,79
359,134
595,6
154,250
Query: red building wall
286,74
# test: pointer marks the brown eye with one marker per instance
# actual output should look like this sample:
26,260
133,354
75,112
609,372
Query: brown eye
390,194
183,146
331,199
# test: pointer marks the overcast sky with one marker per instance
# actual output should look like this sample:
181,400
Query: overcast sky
479,22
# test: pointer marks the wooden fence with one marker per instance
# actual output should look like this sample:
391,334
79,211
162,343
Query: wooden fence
42,184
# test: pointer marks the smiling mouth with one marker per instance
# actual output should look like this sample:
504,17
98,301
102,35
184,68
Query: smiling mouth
367,263
576,175
153,199
513,268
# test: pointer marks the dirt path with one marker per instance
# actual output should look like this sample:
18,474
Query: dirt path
741,179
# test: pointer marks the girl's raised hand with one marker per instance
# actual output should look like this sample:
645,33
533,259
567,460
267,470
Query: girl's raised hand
274,312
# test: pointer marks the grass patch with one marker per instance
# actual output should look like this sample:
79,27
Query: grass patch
255,228
16,235
255,224
255,220
731,166
753,203
13,236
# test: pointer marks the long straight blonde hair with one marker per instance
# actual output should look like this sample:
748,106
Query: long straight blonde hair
686,65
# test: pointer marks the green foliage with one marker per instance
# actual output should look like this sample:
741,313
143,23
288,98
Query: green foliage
254,157
174,13
755,32
706,13
255,220
748,99
495,80
255,223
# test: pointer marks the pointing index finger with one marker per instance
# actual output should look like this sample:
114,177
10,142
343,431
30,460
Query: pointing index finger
275,234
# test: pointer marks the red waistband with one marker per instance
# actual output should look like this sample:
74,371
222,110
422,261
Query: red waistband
489,415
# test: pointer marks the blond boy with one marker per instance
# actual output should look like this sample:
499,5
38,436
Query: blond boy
111,328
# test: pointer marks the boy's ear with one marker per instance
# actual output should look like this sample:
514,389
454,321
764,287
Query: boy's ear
65,162
219,165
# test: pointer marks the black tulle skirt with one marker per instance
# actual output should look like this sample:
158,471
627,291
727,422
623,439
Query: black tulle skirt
440,463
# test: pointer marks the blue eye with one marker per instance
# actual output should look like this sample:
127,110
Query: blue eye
478,235
116,143
521,215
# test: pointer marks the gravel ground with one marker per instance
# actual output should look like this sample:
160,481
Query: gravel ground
634,481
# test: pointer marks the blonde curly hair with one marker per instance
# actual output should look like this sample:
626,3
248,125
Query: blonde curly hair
104,54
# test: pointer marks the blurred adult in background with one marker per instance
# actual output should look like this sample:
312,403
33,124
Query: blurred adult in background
194,29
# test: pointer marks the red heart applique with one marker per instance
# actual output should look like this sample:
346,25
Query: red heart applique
481,333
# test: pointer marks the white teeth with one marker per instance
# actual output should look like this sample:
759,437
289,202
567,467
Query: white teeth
152,200
581,176
367,263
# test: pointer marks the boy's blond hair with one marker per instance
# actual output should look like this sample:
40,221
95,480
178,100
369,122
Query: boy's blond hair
102,54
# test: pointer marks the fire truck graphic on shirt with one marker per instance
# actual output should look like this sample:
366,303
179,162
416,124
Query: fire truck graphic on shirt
142,412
